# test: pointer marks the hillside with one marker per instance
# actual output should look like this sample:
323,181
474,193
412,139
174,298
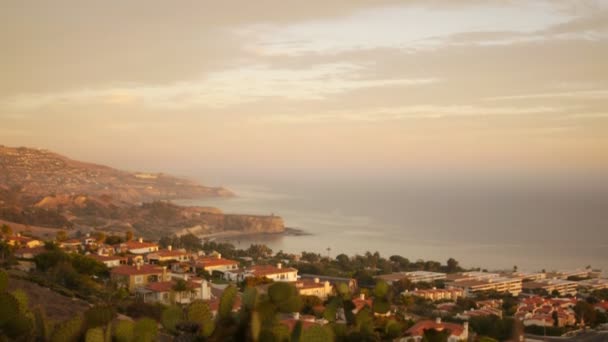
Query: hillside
39,173
43,189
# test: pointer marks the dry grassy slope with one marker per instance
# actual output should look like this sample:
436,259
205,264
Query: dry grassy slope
42,173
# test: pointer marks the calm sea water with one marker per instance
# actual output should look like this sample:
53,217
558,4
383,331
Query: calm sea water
552,225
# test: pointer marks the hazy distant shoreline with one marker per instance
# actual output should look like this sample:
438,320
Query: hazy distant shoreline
232,234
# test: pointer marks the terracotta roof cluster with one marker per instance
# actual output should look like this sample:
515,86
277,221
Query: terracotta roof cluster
211,262
361,302
419,328
135,270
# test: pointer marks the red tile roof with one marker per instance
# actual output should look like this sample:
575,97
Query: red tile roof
133,270
211,262
419,328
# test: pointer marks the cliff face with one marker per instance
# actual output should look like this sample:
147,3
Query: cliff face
251,224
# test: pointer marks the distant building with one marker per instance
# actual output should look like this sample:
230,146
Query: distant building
216,263
275,273
350,282
138,276
168,255
163,292
314,287
20,241
436,294
137,247
109,261
414,276
563,287
475,282
593,284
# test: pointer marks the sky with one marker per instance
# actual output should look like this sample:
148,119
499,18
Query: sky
288,88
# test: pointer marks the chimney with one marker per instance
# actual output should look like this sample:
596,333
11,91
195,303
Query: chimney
465,325
141,240
219,255
438,320
296,316
362,296
316,280
138,265
169,247
279,265
434,288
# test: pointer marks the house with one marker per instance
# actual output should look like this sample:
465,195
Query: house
314,287
23,241
350,282
71,244
28,253
275,273
168,255
137,247
216,263
109,261
164,292
434,294
457,332
138,276
361,302
307,321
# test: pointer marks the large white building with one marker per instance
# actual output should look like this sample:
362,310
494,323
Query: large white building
275,273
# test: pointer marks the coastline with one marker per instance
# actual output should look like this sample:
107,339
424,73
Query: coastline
227,235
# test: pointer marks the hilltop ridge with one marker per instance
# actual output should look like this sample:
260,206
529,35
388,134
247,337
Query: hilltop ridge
44,189
40,172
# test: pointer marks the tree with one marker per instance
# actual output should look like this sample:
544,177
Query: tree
145,330
199,313
171,317
100,237
61,235
585,312
452,265
124,331
6,230
180,287
317,333
69,330
128,235
3,280
95,335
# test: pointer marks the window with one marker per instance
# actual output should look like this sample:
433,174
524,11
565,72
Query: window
139,279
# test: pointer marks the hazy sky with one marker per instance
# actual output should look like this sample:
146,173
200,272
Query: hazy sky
251,86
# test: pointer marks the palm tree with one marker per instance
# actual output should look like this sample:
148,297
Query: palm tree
179,287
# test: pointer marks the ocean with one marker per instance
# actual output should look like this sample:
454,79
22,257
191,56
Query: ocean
533,224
